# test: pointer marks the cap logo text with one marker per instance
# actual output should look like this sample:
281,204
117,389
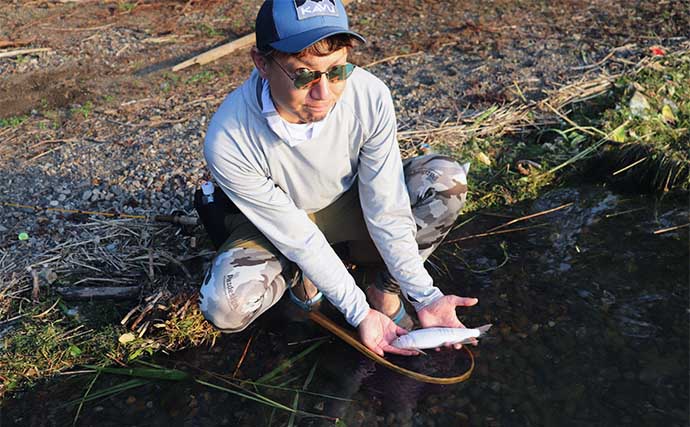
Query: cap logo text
311,8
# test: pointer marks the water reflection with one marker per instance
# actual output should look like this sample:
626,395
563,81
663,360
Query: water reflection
381,396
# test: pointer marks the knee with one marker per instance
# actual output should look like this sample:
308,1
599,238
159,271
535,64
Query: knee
448,174
220,310
232,295
439,180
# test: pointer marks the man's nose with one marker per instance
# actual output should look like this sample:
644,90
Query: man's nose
320,90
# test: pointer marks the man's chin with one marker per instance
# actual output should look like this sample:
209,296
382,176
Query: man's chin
314,116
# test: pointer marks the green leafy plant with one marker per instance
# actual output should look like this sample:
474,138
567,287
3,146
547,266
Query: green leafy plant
202,77
126,6
84,110
12,121
209,30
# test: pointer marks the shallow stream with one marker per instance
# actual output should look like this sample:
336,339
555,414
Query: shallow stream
590,313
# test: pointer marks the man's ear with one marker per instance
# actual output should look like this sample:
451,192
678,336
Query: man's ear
260,62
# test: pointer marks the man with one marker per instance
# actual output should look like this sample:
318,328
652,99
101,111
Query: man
306,150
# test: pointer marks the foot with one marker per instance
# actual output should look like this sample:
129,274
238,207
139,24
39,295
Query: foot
305,290
305,294
386,303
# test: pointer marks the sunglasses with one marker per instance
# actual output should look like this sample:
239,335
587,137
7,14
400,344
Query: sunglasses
304,79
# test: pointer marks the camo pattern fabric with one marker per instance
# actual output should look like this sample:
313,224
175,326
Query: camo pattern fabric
437,186
241,284
245,278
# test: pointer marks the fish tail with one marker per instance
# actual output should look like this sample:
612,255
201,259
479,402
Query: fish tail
482,329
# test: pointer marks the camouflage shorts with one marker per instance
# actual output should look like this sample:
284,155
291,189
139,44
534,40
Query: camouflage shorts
249,275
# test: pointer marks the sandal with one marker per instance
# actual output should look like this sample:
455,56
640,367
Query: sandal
305,304
401,317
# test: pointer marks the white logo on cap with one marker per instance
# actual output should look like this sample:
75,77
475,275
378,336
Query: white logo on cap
311,8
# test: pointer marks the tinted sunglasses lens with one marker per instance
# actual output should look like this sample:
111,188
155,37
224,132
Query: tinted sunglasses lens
306,78
340,72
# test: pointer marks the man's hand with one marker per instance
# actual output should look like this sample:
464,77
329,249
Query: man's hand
441,313
377,331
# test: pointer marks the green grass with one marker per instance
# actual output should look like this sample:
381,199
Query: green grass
655,104
12,121
610,137
22,59
46,341
83,110
202,77
209,31
500,183
126,6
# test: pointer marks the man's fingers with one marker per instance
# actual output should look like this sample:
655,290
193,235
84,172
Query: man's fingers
456,346
400,351
464,302
400,331
375,348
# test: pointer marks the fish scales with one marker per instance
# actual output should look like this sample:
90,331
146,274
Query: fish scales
435,337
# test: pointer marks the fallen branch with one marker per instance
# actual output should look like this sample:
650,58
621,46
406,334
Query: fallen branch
666,230
244,354
100,27
14,53
493,233
98,293
392,58
15,43
534,215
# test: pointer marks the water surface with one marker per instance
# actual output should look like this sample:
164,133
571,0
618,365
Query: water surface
590,314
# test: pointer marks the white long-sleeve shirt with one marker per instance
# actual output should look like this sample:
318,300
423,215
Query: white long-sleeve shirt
276,185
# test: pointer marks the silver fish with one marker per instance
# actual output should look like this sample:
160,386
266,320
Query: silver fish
435,337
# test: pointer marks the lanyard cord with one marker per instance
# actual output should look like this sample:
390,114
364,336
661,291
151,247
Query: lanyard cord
351,339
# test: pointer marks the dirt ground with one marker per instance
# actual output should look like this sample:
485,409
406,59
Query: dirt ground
110,52
105,83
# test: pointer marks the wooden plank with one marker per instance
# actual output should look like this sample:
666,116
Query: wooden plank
218,52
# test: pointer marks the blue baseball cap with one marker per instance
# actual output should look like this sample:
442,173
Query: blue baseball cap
293,25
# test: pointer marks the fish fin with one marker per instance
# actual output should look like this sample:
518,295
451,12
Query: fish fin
471,340
421,351
482,329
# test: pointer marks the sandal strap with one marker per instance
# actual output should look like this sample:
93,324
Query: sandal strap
400,315
305,304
